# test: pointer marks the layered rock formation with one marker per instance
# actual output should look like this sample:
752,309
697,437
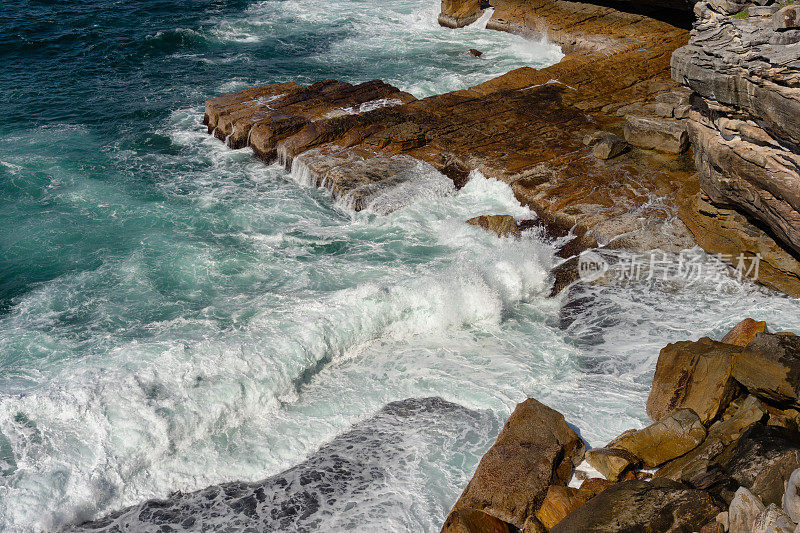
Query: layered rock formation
525,128
744,67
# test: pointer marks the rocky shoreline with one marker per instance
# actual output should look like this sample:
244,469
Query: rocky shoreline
639,109
723,453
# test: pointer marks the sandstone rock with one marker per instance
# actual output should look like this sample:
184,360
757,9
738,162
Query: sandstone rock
744,134
712,527
611,462
664,135
472,521
770,367
674,98
609,147
773,519
785,418
743,511
791,498
744,332
762,460
475,52
459,13
693,375
787,18
670,437
502,225
534,450
693,467
643,507
727,232
595,485
559,502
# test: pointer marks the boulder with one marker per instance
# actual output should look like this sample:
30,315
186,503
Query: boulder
693,467
609,147
770,368
743,511
670,437
785,418
535,449
787,18
662,134
712,527
744,332
475,52
559,502
693,375
642,507
773,519
502,225
762,460
791,497
472,521
611,462
459,13
596,485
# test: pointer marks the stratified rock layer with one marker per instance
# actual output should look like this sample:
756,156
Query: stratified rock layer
744,130
524,128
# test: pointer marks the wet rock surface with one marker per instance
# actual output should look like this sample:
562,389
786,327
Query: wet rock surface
357,463
535,449
657,506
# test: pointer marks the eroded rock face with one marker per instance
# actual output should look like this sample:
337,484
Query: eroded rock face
459,13
693,468
502,225
744,332
672,436
770,367
762,460
535,449
657,506
745,134
611,462
693,375
472,521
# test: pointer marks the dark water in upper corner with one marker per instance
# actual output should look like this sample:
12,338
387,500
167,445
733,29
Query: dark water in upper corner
175,315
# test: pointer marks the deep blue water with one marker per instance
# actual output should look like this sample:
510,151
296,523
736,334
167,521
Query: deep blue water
175,315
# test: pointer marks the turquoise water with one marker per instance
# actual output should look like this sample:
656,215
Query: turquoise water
175,314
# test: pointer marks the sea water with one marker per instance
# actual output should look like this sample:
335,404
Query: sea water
177,316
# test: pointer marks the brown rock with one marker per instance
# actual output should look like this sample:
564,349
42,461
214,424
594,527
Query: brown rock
712,527
502,225
559,502
662,134
694,375
609,147
611,462
762,460
459,13
475,52
596,485
744,332
534,450
785,418
694,465
670,437
657,506
726,232
472,521
787,18
770,368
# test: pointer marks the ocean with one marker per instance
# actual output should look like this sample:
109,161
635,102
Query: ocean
176,316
